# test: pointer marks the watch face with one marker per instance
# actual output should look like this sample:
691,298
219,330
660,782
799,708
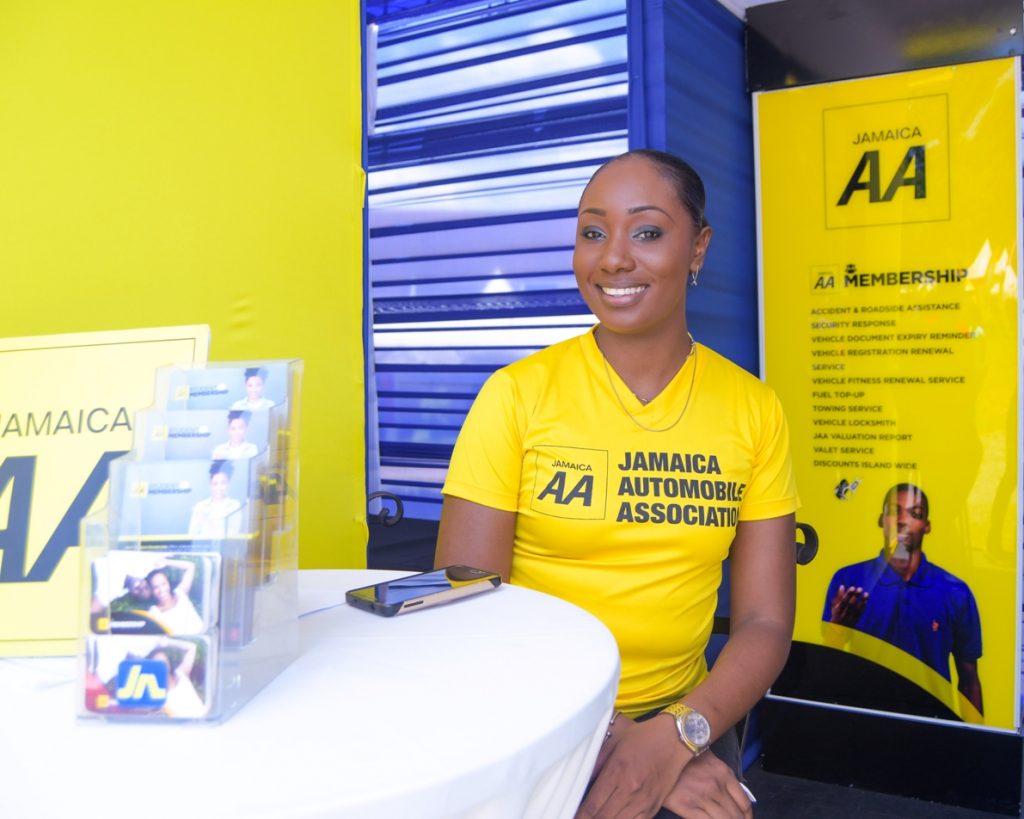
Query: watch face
697,729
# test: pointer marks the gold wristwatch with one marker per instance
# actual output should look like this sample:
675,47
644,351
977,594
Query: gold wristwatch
694,730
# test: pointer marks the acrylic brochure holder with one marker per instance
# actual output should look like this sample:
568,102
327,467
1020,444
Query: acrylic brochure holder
191,569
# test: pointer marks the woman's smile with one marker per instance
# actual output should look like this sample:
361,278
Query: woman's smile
616,292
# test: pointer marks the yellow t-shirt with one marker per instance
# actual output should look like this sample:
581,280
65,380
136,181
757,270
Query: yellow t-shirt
629,524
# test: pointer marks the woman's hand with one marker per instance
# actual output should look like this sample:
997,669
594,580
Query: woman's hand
708,788
637,768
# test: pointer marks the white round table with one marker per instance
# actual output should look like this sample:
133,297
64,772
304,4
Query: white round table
491,706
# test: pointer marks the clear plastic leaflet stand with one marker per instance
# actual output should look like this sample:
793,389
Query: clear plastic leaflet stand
190,572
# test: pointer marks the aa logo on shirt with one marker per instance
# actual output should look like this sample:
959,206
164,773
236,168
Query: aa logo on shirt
570,482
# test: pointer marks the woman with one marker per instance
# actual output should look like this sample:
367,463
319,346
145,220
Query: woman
254,400
617,470
183,701
236,446
172,608
218,515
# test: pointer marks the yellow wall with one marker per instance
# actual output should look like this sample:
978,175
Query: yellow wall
188,162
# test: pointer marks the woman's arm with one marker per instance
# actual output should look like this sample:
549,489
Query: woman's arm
645,760
475,535
188,575
188,658
762,577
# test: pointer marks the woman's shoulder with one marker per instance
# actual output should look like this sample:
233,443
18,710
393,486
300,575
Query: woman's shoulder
725,370
522,382
544,362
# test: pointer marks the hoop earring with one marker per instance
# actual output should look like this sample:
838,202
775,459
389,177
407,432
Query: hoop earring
693,277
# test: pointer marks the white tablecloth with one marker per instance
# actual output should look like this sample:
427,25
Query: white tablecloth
492,706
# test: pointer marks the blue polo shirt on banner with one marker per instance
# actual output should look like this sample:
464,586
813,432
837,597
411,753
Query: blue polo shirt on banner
930,616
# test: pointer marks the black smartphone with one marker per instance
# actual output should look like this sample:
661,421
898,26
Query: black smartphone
418,591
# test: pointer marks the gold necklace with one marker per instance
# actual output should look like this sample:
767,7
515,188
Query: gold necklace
689,392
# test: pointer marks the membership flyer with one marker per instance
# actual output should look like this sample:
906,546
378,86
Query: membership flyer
890,250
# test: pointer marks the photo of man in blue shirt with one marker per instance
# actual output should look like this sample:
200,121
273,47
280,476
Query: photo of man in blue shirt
905,599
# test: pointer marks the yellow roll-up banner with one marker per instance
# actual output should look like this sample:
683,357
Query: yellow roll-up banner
68,410
890,218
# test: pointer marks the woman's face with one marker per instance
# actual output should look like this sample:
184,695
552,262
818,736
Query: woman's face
253,388
635,246
236,431
219,486
161,588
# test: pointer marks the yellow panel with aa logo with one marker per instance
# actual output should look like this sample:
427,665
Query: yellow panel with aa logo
887,162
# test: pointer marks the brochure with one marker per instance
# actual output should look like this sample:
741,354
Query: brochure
155,593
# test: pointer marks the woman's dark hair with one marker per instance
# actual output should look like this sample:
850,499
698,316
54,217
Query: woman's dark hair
260,371
680,174
165,572
245,415
221,466
156,652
